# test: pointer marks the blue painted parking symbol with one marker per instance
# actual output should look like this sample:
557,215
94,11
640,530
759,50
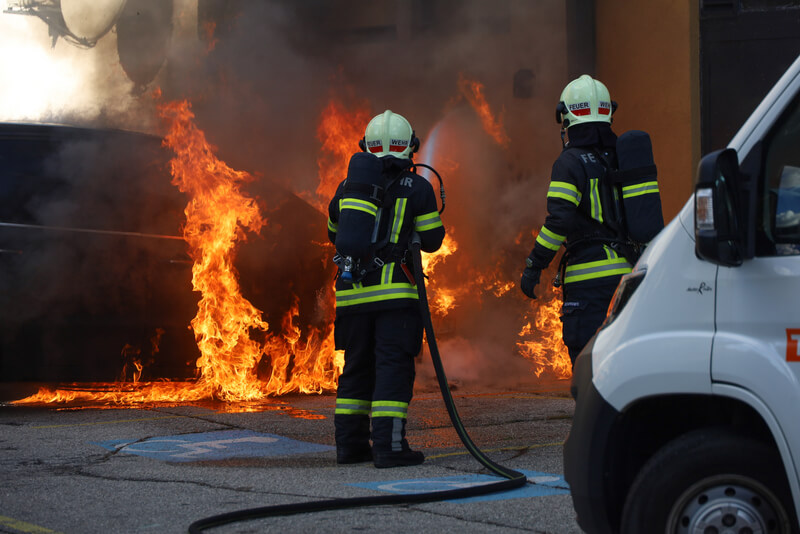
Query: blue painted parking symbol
219,445
540,485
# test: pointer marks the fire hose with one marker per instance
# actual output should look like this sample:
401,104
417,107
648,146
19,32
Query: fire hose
513,479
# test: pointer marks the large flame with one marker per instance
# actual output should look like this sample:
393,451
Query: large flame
229,331
234,340
217,216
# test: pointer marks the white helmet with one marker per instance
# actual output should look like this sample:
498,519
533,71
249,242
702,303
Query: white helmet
389,134
585,100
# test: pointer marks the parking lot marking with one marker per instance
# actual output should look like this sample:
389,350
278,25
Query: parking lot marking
22,526
540,485
220,445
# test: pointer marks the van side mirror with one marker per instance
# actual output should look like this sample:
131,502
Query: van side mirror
718,237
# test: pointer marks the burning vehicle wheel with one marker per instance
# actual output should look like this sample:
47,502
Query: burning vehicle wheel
710,480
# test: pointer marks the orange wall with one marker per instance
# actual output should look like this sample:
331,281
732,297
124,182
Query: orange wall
648,57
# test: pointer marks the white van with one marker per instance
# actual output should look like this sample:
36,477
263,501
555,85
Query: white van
687,415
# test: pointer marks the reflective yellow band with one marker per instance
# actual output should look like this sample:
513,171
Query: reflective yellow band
427,221
596,269
363,295
356,204
565,191
596,207
387,272
549,239
399,215
390,409
332,226
353,406
639,189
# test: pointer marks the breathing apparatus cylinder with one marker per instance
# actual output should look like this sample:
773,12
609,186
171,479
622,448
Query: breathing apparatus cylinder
358,209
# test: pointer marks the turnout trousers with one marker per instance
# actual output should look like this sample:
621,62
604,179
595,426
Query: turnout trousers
584,309
378,378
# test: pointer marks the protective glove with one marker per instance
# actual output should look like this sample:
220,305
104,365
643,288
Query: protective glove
530,278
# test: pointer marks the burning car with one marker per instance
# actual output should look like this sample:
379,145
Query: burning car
95,272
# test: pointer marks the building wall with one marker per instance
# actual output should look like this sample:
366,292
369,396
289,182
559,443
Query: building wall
647,54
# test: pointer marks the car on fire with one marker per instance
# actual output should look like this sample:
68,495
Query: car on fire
94,269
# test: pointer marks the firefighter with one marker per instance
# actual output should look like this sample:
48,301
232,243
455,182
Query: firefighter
578,215
378,322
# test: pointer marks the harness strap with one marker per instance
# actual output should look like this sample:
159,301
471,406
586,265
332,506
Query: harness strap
619,176
618,245
374,191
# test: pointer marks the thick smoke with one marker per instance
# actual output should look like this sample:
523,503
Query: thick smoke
57,82
258,75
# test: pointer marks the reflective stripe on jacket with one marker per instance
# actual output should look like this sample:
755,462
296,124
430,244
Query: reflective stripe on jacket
575,212
411,202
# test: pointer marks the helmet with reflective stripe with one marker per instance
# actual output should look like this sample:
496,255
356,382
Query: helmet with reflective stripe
585,100
390,134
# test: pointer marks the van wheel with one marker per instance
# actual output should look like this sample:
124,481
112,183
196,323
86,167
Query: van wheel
710,481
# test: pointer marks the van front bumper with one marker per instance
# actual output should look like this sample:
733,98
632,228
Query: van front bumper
586,451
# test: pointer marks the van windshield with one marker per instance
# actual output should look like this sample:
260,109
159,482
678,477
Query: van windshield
779,232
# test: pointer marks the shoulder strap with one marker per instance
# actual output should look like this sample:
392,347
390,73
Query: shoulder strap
375,192
388,202
609,198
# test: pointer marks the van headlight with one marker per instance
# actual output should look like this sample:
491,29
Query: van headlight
627,285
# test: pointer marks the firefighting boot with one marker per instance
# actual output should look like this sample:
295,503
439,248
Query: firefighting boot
390,448
352,438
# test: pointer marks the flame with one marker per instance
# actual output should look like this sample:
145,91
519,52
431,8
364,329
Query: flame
441,299
242,359
547,350
430,259
472,90
208,33
217,216
229,331
309,365
541,341
338,131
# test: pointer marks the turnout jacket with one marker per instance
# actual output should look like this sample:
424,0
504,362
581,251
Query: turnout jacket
409,206
575,213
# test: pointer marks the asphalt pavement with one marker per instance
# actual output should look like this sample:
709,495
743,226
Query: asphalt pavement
83,469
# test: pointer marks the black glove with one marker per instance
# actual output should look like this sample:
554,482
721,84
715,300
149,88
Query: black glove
530,278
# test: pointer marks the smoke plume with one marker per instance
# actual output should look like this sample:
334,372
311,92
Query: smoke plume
259,74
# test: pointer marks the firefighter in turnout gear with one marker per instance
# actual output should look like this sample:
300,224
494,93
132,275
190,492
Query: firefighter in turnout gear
578,215
378,322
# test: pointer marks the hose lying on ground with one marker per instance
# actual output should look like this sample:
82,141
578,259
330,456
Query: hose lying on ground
514,479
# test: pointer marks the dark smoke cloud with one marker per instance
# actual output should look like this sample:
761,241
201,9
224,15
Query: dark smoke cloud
259,79
90,264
